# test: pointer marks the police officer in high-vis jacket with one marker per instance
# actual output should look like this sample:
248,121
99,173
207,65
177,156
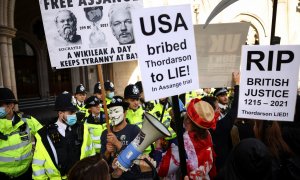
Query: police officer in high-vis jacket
95,121
109,90
61,144
79,98
16,134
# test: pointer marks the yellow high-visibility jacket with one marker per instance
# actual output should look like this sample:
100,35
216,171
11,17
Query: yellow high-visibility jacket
44,164
16,144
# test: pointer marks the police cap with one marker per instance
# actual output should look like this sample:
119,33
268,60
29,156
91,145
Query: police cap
63,102
109,86
140,86
92,101
80,89
7,96
220,91
97,88
131,91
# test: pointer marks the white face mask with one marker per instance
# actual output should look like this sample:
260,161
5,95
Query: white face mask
116,115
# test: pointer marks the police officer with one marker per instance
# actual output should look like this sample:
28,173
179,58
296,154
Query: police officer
135,112
222,97
97,90
109,90
80,96
61,144
147,106
95,121
16,132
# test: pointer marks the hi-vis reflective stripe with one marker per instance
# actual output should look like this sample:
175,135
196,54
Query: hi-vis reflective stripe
95,138
42,172
88,148
12,159
16,146
139,123
38,162
98,146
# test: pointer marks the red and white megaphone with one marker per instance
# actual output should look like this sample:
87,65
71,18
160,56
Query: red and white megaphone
151,131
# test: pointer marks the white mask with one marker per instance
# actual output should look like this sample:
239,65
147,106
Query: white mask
116,115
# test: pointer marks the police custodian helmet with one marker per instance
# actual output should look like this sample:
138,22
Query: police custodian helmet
131,91
63,102
7,96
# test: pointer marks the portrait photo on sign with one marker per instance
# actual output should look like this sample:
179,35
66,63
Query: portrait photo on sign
121,23
96,37
66,24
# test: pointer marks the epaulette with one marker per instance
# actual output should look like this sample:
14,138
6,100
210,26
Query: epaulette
25,116
53,133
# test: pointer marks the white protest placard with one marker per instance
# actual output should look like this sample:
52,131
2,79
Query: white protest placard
219,52
268,85
166,49
89,32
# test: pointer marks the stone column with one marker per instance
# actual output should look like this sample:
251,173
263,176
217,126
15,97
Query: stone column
6,57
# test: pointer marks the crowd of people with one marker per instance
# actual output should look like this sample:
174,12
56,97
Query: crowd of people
78,144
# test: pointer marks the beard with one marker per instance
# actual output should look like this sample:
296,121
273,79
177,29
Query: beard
67,33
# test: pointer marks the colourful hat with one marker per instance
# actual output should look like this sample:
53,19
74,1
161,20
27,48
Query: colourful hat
202,114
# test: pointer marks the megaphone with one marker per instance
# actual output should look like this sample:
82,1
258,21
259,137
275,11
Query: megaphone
151,131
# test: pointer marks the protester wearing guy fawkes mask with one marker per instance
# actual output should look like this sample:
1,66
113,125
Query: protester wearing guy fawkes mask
120,136
61,144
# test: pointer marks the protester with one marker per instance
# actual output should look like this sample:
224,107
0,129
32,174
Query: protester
122,134
198,144
121,23
61,144
91,168
16,134
249,160
66,24
269,133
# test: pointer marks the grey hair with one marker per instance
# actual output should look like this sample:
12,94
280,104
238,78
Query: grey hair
71,14
116,7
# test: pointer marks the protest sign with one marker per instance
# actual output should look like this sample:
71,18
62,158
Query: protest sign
89,32
166,49
219,52
268,86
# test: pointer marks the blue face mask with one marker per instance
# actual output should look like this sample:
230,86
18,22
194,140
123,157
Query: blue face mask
110,95
3,113
71,119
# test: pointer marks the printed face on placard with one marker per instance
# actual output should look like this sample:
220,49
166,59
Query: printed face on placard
116,115
66,24
121,26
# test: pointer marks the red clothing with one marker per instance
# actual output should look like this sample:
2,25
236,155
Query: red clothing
200,158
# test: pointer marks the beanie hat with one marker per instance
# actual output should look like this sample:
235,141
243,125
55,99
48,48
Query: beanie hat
118,101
